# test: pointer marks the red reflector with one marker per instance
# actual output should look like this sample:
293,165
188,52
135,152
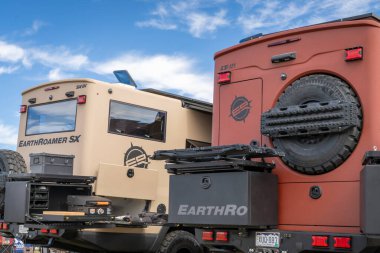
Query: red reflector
224,77
207,236
82,99
44,230
354,54
342,242
320,241
53,231
23,108
222,236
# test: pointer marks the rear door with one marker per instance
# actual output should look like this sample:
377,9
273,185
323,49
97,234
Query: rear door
240,112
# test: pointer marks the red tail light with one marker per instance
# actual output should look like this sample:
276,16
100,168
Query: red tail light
5,226
82,99
320,241
224,77
221,236
342,242
207,236
23,108
53,231
354,54
44,231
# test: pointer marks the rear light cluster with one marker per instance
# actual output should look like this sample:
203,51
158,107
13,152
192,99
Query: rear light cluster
23,108
339,242
224,77
353,54
81,99
219,236
4,226
47,231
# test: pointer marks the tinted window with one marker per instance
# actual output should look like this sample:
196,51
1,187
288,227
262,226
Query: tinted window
51,118
137,121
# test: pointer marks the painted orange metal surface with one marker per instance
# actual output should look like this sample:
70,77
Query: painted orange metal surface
319,49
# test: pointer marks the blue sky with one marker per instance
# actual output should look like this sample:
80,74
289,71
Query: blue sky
164,44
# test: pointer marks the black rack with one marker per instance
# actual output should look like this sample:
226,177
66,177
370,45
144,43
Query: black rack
218,158
37,177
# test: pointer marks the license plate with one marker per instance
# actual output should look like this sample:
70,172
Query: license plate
22,229
266,239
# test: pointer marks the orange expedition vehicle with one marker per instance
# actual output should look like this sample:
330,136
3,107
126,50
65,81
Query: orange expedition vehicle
294,165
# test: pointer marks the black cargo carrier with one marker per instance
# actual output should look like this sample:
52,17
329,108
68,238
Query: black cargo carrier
227,188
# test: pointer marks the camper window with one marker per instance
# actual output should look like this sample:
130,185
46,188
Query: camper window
53,117
137,121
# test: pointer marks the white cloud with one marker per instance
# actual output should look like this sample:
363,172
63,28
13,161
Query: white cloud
36,26
58,74
200,23
157,23
169,72
190,16
272,14
8,70
10,52
8,134
57,57
276,15
164,72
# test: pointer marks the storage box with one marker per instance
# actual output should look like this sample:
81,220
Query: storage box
26,199
242,198
45,163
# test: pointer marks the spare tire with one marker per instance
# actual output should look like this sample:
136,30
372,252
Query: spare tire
318,153
10,162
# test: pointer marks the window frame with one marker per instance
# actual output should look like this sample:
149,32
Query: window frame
136,136
48,103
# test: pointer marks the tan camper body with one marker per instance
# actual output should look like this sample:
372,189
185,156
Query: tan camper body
112,129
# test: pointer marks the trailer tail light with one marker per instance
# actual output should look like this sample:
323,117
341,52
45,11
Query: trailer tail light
221,236
82,99
224,77
207,236
53,231
23,108
5,226
44,231
320,241
353,54
342,242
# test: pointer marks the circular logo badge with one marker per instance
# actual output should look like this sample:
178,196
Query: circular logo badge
240,108
136,157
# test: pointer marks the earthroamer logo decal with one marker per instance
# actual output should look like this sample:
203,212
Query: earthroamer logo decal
227,210
240,108
136,157
49,141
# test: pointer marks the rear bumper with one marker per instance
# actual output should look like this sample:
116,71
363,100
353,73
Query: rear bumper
290,242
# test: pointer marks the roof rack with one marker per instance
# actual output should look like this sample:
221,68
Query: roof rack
235,157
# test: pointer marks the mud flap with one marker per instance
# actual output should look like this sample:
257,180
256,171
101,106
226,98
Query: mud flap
126,182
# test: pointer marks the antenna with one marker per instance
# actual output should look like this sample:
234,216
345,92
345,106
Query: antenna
124,77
